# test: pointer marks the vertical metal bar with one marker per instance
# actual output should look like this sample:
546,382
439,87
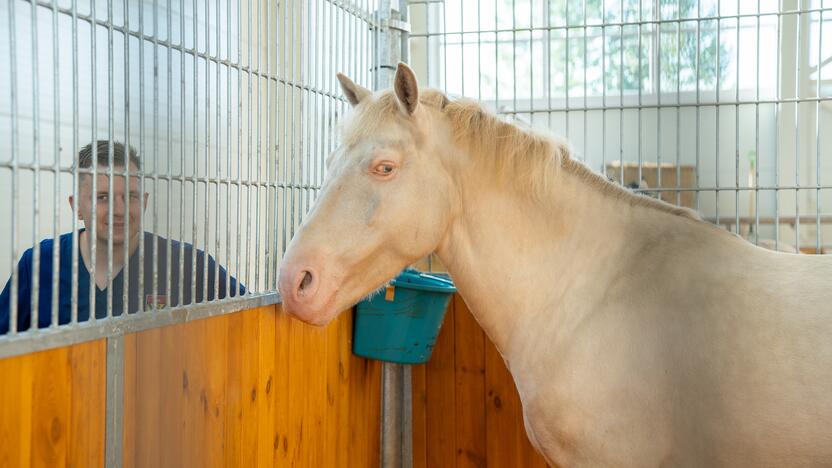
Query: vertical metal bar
125,300
239,144
678,100
142,188
156,244
114,406
207,208
757,138
640,88
181,270
282,118
603,88
36,173
514,57
621,95
566,76
818,116
717,104
797,76
269,251
586,66
91,231
218,171
698,99
256,179
110,156
195,174
777,106
14,279
228,152
75,173
658,74
737,131
168,152
56,164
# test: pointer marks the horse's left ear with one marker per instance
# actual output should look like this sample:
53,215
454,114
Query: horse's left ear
407,89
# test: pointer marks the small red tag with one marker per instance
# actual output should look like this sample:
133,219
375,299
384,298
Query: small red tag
390,293
155,302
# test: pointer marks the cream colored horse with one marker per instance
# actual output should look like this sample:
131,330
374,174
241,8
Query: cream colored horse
637,335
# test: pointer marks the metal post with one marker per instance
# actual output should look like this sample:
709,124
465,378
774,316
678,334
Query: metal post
114,410
396,433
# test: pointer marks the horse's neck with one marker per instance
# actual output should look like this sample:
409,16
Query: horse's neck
515,260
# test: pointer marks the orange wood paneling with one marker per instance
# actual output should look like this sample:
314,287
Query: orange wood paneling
255,388
466,409
52,407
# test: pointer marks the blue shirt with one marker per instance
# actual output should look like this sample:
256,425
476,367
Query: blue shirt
154,247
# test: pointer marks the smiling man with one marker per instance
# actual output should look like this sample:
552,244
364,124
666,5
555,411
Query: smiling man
127,205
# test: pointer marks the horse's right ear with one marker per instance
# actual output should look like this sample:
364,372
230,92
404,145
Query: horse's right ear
352,91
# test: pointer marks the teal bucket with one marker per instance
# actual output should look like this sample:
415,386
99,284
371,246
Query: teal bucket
400,324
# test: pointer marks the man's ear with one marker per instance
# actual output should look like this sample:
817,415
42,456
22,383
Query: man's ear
407,89
352,91
75,209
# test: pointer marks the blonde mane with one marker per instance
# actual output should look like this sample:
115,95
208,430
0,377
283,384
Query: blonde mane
527,159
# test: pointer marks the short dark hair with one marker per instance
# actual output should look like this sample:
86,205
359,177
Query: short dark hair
102,148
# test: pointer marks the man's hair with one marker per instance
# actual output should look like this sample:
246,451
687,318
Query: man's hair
102,148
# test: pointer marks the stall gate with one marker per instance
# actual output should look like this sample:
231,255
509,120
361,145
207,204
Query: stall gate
218,113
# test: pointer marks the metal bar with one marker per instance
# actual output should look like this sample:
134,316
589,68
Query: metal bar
777,143
110,157
75,177
613,24
15,155
757,139
35,294
737,127
207,207
56,152
218,133
27,342
114,406
818,117
797,155
125,300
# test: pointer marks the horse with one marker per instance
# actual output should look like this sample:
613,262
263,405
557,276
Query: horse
637,334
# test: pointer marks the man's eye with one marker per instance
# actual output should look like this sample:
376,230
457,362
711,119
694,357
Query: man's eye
102,198
386,169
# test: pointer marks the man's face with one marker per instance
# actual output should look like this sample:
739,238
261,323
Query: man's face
121,211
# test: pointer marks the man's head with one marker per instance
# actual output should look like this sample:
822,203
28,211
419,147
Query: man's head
98,153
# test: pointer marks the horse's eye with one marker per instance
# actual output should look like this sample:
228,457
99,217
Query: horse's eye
384,169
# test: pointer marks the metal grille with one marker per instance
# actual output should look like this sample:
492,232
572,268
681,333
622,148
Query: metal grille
231,106
725,106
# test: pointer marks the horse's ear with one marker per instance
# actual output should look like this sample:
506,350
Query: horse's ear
407,89
352,91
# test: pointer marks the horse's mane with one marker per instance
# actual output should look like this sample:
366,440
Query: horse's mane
529,160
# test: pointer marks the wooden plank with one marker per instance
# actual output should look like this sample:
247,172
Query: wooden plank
175,389
248,353
234,393
441,397
332,383
87,408
52,407
267,438
130,434
17,374
344,418
419,398
502,417
51,397
469,376
282,384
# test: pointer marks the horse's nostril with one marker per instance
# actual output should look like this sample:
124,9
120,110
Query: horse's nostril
307,278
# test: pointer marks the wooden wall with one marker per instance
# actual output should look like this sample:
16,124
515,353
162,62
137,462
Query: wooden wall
52,408
466,410
254,388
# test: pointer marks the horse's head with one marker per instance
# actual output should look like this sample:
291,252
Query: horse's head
386,201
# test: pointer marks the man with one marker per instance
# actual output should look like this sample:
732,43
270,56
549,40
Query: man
123,231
